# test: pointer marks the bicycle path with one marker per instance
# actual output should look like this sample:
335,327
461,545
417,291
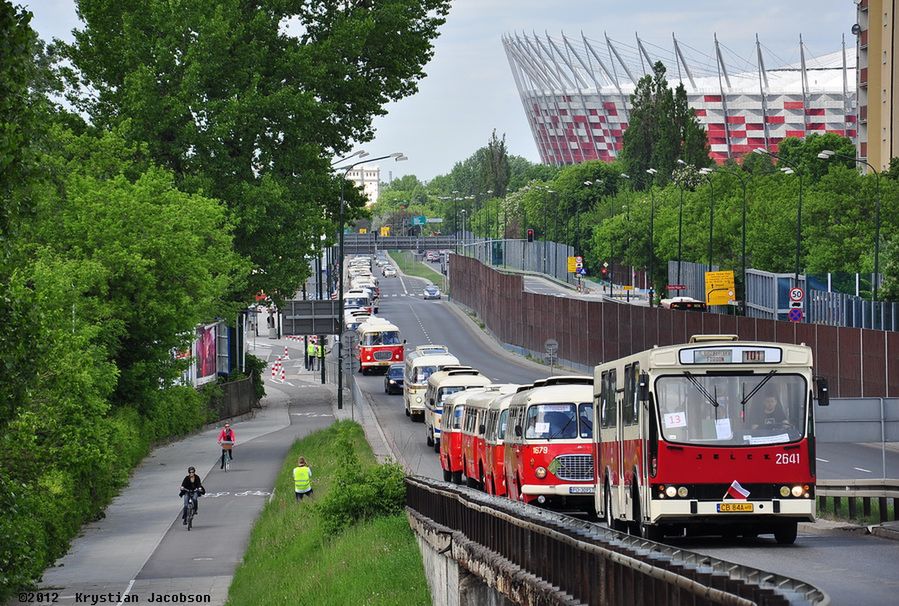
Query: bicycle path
140,552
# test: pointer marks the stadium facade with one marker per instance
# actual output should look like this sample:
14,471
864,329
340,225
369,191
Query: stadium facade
576,94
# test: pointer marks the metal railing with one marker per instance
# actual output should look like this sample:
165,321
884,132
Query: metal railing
593,564
855,492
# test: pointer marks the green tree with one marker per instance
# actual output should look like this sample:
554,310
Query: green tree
243,110
803,153
496,165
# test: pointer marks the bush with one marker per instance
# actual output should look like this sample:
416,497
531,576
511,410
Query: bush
255,366
361,494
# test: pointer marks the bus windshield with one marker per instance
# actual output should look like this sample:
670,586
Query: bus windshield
732,410
559,421
351,302
422,373
387,337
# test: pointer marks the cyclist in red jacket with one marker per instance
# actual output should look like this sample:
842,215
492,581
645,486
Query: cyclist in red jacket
226,441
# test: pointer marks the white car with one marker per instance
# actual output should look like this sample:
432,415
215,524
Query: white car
389,272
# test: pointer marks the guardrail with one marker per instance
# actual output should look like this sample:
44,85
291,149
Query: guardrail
884,492
592,564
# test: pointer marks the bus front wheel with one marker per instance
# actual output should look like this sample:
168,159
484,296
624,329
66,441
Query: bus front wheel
786,533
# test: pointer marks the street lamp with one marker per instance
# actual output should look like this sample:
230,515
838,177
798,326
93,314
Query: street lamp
707,173
398,157
680,223
827,154
652,215
359,153
790,169
463,230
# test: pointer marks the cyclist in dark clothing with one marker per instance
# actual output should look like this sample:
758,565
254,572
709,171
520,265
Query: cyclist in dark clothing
191,482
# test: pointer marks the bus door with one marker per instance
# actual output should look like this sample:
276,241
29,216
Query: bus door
609,450
632,458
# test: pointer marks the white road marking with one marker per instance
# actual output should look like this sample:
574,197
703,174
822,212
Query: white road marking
860,469
822,460
126,592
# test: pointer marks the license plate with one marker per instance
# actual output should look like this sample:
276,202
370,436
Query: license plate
580,489
734,507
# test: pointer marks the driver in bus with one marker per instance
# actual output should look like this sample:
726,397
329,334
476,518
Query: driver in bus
771,415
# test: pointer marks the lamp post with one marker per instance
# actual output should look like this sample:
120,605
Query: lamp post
827,154
707,173
397,156
680,223
464,212
652,217
790,169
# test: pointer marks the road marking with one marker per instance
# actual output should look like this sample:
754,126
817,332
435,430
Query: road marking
127,591
203,559
860,469
822,460
310,414
421,324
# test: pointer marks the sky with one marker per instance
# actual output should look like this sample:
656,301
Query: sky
469,90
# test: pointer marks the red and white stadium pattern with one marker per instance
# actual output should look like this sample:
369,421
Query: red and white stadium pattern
577,101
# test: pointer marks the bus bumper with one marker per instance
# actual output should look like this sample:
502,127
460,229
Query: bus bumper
686,511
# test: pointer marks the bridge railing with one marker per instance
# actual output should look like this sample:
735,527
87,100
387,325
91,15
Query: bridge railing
885,493
592,564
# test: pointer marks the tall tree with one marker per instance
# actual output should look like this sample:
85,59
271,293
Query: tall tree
241,108
497,165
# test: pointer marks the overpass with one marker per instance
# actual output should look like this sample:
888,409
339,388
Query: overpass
367,244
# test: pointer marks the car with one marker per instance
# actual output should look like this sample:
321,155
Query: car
389,272
431,292
393,380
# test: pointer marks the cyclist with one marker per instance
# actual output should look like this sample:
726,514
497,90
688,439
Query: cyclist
191,487
227,435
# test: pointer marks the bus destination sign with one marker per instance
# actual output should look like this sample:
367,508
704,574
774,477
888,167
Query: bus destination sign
731,355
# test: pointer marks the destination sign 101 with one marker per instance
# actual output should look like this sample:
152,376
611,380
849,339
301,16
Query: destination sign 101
731,355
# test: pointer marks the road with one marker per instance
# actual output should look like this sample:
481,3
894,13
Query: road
851,566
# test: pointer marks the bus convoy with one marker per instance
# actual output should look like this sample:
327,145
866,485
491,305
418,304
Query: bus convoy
715,436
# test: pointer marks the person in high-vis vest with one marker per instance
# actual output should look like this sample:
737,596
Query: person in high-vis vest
302,479
310,356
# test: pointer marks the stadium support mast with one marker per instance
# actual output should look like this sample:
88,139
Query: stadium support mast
517,75
614,51
763,91
804,85
723,70
681,62
561,135
582,84
604,125
643,54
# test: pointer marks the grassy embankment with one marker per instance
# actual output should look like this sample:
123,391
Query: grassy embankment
296,555
411,267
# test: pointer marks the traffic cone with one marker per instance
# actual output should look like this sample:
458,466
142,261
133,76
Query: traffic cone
275,368
283,375
286,355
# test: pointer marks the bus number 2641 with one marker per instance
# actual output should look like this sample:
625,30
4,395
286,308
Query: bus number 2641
791,458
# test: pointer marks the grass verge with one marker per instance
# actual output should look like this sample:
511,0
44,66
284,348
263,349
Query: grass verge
292,558
411,267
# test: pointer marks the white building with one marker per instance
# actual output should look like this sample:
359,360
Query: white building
576,94
369,179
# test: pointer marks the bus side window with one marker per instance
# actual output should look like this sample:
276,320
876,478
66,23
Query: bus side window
609,405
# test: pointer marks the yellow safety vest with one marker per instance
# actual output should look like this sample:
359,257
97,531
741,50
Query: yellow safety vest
302,479
310,350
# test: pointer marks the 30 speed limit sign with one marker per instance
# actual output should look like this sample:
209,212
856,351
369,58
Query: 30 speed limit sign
797,294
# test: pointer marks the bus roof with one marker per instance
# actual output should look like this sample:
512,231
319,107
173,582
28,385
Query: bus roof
463,397
441,360
554,394
465,378
491,392
376,325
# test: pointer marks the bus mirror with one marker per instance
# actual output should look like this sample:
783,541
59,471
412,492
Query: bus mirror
643,387
518,431
823,391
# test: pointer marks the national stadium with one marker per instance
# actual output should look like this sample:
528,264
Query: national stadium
576,93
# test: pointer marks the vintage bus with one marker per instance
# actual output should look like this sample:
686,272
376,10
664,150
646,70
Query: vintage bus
474,430
440,385
421,363
548,458
716,435
379,345
451,433
494,445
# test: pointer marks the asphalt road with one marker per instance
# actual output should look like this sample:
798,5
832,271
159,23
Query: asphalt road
851,566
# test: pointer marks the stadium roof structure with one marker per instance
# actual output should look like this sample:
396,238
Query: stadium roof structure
576,93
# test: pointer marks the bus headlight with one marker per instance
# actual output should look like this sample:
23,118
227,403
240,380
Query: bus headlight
670,491
797,491
784,491
682,492
540,472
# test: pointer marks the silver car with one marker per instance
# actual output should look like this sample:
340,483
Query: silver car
431,292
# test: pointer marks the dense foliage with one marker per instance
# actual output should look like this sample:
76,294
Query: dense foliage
196,171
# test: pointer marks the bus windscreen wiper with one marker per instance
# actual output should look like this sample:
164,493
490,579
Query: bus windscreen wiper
756,389
562,429
699,387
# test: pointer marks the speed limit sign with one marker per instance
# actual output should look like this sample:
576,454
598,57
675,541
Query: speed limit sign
797,294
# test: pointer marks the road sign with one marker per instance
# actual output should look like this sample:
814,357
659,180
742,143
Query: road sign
435,219
676,287
363,230
419,220
572,264
797,304
797,294
795,315
551,346
719,287
385,230
581,271
605,263
627,287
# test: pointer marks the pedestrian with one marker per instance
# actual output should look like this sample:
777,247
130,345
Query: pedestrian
310,355
302,479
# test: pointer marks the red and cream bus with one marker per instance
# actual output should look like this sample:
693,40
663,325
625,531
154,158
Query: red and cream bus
474,430
379,346
494,445
716,435
451,433
421,363
442,384
549,444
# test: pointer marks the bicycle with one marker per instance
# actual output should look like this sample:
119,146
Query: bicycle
192,506
226,454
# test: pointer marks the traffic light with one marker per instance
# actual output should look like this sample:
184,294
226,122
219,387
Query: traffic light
530,235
